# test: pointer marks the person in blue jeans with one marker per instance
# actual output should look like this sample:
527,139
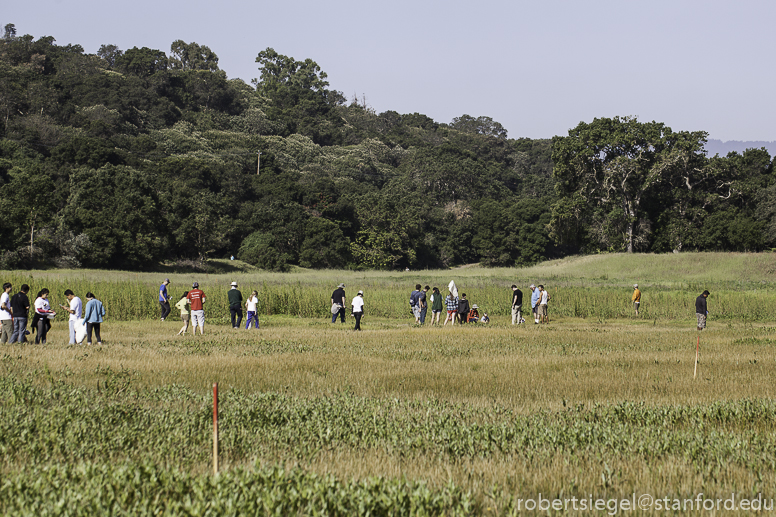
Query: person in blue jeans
251,308
93,315
338,299
164,299
20,304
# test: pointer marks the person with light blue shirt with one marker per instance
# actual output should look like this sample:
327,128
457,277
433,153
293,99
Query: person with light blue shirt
93,315
535,296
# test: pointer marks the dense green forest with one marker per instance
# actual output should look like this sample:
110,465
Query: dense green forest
130,158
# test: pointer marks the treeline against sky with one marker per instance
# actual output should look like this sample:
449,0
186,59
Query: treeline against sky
127,158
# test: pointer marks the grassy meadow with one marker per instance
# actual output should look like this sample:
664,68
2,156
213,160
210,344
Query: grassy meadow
395,420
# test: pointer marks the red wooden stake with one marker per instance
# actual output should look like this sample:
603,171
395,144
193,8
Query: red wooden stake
215,428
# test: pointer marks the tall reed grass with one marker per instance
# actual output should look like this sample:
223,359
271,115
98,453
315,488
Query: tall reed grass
128,298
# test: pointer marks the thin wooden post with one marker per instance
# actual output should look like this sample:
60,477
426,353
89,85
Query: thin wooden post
697,351
258,166
215,428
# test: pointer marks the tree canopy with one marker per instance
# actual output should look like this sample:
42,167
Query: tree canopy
127,158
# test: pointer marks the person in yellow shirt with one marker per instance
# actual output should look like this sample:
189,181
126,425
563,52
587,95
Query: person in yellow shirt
636,298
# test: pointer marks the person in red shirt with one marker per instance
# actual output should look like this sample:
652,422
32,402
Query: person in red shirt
196,298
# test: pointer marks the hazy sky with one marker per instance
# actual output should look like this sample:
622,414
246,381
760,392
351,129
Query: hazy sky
537,67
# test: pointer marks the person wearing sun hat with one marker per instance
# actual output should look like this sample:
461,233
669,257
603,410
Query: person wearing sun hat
196,298
636,298
235,305
338,303
474,314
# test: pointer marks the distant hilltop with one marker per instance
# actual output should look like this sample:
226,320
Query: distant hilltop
723,148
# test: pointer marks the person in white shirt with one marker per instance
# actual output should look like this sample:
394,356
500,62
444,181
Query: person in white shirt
358,309
6,315
543,299
75,312
43,314
251,308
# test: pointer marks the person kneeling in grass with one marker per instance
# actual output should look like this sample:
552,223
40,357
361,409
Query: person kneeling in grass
93,315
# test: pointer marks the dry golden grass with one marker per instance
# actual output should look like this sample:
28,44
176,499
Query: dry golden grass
526,369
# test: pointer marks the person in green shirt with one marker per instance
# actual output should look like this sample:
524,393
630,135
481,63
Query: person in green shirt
436,306
235,305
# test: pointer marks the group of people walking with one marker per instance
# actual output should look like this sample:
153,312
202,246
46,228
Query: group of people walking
14,310
14,313
192,307
339,303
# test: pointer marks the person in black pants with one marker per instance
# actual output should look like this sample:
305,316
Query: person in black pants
235,305
463,309
164,298
358,309
93,315
41,319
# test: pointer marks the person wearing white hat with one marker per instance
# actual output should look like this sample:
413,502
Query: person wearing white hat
357,309
636,298
235,305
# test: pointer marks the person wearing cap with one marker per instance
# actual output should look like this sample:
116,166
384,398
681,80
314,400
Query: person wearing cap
636,298
535,296
701,309
338,303
196,298
164,299
517,304
235,305
357,309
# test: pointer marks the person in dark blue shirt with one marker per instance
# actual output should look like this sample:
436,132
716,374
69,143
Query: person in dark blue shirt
164,299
